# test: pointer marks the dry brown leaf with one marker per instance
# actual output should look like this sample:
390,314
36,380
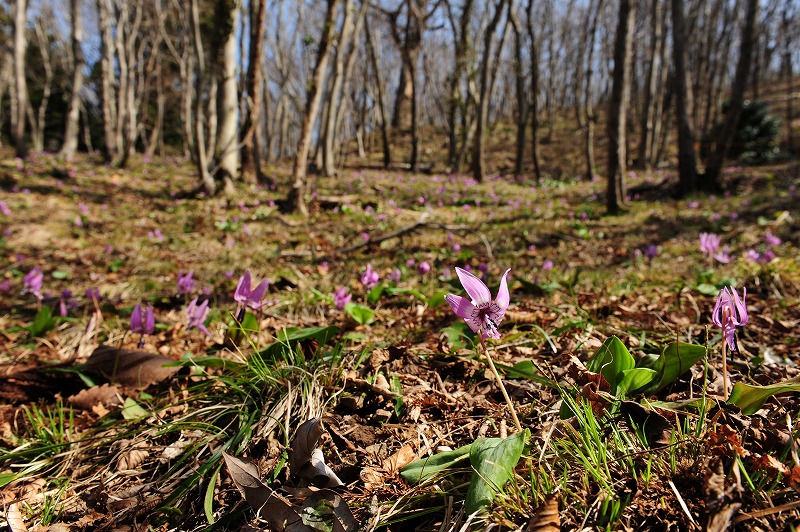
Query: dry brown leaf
404,456
546,518
343,517
14,519
130,459
303,445
720,505
724,439
130,367
771,465
657,429
794,477
87,399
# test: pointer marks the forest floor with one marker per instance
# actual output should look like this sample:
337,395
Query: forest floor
607,351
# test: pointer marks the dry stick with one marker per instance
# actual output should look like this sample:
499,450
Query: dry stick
500,383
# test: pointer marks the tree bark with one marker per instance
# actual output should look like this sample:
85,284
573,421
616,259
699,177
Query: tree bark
457,104
711,179
38,123
522,99
108,80
534,109
297,194
20,97
387,149
251,160
201,157
591,117
478,158
73,114
617,113
644,158
687,161
228,103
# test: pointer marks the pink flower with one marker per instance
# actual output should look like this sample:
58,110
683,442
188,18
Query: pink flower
32,282
341,297
423,268
246,297
185,282
730,312
370,277
197,314
709,243
481,313
772,240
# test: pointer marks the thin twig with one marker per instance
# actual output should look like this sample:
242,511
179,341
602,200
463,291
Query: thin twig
402,232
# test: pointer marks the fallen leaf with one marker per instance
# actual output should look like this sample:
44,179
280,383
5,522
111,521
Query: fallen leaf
89,398
724,439
794,477
278,512
14,519
657,429
546,517
130,367
720,505
400,459
130,459
771,465
303,445
343,520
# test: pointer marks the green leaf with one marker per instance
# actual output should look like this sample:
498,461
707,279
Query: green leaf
397,387
132,410
751,398
493,461
291,336
458,334
707,289
437,299
675,359
60,274
374,295
633,379
425,468
363,315
611,360
238,332
208,500
43,322
525,369
395,291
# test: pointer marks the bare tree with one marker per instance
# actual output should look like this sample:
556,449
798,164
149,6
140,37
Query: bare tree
43,35
201,157
644,158
107,81
251,161
617,112
459,98
478,159
593,14
521,87
534,90
376,69
297,194
70,144
19,101
228,102
687,161
724,138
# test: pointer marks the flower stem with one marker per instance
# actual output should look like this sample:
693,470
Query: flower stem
724,370
500,383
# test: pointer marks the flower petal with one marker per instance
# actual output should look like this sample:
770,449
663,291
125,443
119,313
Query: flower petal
741,307
257,294
243,288
149,321
478,291
503,297
136,318
462,306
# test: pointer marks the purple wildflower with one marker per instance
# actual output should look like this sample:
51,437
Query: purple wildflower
481,313
246,297
395,275
4,208
423,268
93,293
65,303
651,251
185,282
709,243
197,314
547,265
341,297
32,282
142,324
370,277
772,240
724,255
730,312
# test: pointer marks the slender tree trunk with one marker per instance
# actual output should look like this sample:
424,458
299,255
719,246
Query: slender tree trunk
157,136
20,96
107,76
458,101
687,161
711,179
201,158
617,114
38,124
228,106
336,97
297,194
478,159
588,105
534,110
251,160
387,150
644,158
211,113
522,98
786,24
348,76
73,113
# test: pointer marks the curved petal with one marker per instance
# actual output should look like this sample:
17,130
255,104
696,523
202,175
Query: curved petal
503,297
723,299
257,294
741,307
243,288
149,321
462,306
136,318
478,291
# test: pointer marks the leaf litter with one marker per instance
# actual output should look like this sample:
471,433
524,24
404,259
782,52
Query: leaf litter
406,392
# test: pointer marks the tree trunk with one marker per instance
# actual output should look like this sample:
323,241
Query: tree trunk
687,162
534,110
711,179
387,150
20,98
786,23
73,114
201,158
348,75
458,100
297,194
588,105
644,158
336,97
251,160
228,105
107,76
38,123
522,99
617,113
478,159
